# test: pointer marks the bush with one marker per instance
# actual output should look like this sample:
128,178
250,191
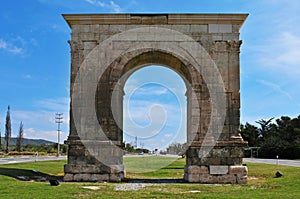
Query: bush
15,153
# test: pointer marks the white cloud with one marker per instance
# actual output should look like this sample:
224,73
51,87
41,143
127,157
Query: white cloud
145,120
96,3
147,87
110,5
147,125
275,87
276,46
56,105
11,47
141,110
281,54
33,133
168,135
115,6
3,44
27,76
150,107
153,91
41,118
290,53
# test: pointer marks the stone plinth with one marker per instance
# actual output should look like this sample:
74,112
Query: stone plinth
222,174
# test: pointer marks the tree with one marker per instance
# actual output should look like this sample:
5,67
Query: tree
7,129
20,137
274,146
177,148
266,128
0,141
129,148
250,134
281,138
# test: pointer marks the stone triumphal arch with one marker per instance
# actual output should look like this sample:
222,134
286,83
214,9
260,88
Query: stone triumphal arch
202,48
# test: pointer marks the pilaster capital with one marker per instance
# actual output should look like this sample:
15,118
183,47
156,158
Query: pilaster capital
75,46
234,45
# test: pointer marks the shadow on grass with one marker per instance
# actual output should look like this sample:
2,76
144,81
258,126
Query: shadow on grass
28,175
156,181
180,168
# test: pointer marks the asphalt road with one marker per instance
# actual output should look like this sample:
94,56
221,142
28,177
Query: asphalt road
30,159
295,163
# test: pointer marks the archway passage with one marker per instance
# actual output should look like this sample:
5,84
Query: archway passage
202,48
110,92
154,108
154,121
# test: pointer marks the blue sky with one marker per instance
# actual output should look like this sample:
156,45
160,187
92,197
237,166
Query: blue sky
156,107
35,61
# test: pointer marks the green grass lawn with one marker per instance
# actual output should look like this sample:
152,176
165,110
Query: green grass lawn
154,167
18,181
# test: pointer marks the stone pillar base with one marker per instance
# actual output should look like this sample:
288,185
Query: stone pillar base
220,174
101,162
91,173
93,177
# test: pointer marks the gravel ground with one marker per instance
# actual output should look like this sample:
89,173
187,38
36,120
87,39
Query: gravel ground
133,186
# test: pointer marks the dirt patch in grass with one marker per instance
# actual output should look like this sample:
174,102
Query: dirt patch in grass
92,187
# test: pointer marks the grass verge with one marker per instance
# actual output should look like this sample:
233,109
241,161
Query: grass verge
21,181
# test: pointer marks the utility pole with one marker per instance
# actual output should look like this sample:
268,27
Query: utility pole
142,145
58,120
135,142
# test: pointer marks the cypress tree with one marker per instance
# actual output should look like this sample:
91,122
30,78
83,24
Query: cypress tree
20,138
7,129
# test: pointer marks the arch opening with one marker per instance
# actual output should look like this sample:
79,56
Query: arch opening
115,78
154,116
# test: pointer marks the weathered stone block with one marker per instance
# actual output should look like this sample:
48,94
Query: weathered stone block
194,169
230,36
99,177
204,170
115,177
136,20
242,179
220,152
227,179
199,29
218,169
234,161
193,177
211,161
217,37
83,168
77,151
82,177
68,177
116,168
237,152
113,29
181,28
220,28
209,179
238,170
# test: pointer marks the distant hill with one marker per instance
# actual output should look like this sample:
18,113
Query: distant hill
26,141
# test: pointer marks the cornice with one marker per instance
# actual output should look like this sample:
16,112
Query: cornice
154,19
